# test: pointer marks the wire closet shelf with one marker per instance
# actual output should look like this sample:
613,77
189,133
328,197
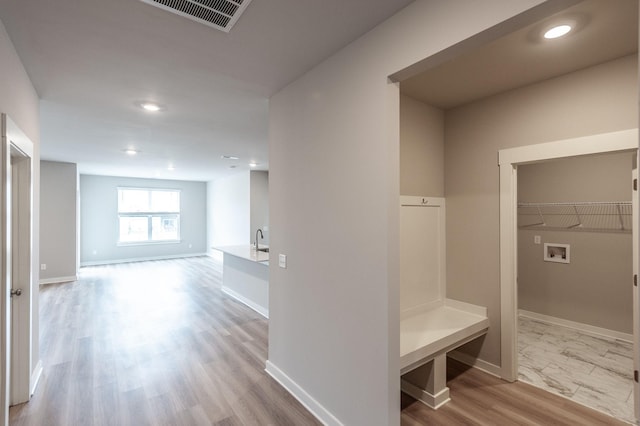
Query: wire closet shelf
596,216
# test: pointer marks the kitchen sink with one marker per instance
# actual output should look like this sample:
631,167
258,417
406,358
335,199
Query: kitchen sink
264,249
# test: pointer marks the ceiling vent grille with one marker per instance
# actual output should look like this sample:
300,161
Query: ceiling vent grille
220,14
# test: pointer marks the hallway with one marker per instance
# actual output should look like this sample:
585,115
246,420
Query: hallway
158,343
153,343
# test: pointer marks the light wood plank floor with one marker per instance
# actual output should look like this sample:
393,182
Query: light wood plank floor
153,343
158,343
478,398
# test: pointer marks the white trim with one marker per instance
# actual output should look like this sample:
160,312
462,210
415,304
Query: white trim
624,140
314,407
57,280
417,310
439,203
466,307
35,377
432,401
584,328
16,357
141,259
413,200
250,303
508,273
474,362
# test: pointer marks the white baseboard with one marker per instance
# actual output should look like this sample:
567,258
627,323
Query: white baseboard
585,328
250,303
474,362
35,378
141,259
431,401
59,280
314,407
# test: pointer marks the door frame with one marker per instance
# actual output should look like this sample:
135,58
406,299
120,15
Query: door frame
16,262
509,159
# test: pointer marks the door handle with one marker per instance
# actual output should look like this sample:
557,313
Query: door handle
17,292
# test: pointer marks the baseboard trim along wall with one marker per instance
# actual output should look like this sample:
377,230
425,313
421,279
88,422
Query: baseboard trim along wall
314,407
141,259
240,298
474,362
57,280
585,328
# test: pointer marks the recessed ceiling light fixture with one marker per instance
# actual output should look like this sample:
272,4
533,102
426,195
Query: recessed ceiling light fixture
171,168
229,157
131,151
253,164
150,106
557,31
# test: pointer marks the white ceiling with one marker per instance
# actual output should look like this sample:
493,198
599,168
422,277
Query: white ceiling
606,29
91,61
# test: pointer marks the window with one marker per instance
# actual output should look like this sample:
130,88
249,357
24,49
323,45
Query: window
148,215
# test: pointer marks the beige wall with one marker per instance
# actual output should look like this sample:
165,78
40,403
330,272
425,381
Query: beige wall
595,100
19,100
421,149
334,185
594,288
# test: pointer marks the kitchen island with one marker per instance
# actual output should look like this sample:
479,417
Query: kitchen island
245,276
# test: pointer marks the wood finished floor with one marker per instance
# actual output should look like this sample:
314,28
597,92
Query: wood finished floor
478,398
153,343
158,343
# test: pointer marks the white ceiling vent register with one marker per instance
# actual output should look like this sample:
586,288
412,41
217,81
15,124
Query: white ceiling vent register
220,14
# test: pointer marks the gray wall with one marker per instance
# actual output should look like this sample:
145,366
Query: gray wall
237,206
259,201
595,100
334,184
421,149
58,221
99,220
229,211
594,288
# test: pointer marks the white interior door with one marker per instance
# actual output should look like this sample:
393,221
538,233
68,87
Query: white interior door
20,358
16,224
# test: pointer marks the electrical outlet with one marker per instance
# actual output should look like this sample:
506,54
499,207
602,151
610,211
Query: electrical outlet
43,267
536,239
282,261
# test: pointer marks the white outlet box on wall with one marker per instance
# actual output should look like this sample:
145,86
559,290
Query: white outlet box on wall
559,253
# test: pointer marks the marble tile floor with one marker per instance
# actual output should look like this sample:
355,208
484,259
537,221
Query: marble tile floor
592,370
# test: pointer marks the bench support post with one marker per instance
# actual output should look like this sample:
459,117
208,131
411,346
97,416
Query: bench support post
428,384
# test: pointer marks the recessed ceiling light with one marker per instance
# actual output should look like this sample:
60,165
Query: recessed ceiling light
253,164
131,151
557,31
150,106
230,157
171,168
233,166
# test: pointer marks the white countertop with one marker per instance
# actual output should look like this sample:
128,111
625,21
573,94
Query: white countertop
247,252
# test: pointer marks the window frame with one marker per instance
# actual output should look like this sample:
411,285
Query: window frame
149,215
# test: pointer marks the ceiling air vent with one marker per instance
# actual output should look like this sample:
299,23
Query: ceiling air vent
220,14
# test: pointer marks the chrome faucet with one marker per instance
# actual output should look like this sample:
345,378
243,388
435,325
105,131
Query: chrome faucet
261,236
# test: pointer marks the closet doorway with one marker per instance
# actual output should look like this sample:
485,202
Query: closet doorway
575,310
623,143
